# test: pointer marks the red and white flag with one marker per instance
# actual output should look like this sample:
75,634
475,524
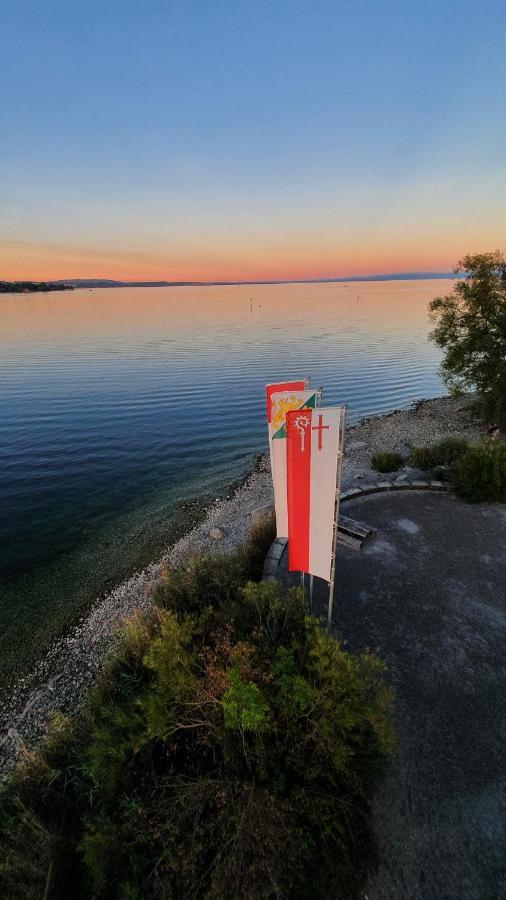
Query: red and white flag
276,413
314,450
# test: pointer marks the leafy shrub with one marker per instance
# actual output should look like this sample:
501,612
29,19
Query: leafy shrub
228,753
383,461
480,474
443,453
422,458
449,450
214,581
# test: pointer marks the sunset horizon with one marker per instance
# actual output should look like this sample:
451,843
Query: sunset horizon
66,271
408,274
33,262
206,144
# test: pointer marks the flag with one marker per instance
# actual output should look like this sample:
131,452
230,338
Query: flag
281,403
282,386
279,484
314,447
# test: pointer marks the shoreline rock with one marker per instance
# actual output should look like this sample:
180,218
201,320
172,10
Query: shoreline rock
62,677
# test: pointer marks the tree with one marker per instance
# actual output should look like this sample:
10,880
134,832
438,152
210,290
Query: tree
470,326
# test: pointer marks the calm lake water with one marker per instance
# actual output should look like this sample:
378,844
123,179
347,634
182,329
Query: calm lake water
117,403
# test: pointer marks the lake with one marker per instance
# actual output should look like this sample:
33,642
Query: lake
118,403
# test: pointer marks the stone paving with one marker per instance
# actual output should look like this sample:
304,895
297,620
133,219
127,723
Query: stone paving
428,594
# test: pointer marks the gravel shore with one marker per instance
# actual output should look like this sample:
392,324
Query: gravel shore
68,669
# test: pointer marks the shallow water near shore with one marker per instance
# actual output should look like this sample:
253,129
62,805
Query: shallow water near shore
118,403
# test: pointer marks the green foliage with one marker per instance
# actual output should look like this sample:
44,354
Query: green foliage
422,458
295,694
243,703
228,752
470,326
215,581
444,453
203,582
449,450
477,473
383,461
480,474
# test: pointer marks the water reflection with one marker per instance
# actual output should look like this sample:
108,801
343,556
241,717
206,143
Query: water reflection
112,397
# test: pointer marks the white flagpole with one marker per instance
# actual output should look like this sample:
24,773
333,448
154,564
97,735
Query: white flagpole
318,404
336,520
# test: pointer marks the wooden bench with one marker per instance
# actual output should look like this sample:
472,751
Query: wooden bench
353,533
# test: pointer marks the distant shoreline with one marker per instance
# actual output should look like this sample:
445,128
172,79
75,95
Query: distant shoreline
91,283
33,287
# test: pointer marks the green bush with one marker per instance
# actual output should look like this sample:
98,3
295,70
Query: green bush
383,461
480,474
443,453
422,458
449,450
214,581
227,753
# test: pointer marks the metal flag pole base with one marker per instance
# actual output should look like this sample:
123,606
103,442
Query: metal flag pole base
332,580
333,562
331,603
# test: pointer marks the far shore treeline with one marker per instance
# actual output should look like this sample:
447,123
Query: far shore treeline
32,287
16,287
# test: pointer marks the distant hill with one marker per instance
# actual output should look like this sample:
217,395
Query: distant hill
103,282
110,283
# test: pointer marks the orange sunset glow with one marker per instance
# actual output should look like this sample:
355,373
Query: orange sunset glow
256,259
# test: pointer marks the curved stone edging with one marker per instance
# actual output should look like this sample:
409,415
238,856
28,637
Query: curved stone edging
275,552
379,486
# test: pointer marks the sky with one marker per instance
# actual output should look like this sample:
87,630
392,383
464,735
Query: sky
220,139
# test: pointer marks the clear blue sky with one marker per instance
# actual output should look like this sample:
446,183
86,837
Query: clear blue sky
207,139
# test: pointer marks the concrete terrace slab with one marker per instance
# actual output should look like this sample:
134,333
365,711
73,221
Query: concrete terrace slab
428,594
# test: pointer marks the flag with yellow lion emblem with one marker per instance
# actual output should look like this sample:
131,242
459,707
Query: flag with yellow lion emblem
282,402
